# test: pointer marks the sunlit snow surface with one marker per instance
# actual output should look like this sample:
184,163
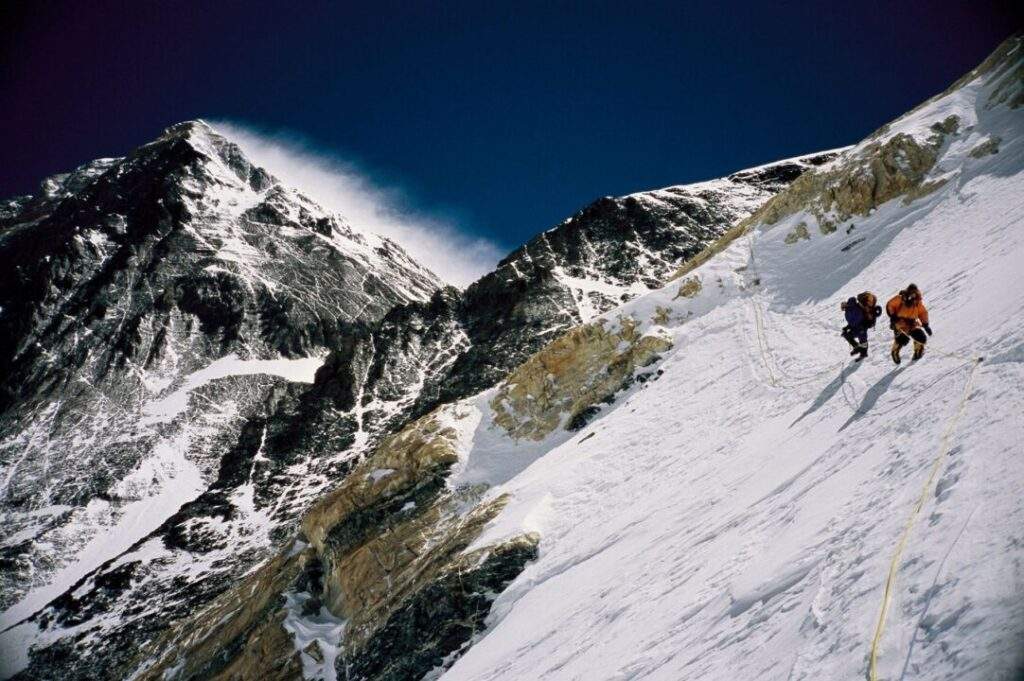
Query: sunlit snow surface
736,518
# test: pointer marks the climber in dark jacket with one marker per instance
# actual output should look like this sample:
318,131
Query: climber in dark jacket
861,313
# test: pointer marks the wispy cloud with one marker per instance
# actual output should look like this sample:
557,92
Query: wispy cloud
338,185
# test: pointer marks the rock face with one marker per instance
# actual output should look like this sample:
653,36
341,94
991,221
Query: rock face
186,293
881,172
562,384
155,310
382,561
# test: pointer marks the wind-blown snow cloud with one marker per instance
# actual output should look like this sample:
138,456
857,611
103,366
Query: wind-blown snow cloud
336,184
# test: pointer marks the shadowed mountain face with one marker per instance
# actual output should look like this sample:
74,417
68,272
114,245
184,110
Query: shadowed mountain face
162,324
150,306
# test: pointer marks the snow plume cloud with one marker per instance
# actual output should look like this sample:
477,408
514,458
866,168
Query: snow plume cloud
338,185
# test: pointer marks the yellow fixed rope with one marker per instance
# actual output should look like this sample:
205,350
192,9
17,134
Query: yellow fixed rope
894,564
762,339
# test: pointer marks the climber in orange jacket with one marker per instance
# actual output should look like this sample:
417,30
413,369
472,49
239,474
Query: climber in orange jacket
908,319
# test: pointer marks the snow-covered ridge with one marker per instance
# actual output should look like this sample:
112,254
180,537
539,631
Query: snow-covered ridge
619,247
746,175
242,189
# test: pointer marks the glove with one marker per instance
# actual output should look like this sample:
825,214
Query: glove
892,323
928,329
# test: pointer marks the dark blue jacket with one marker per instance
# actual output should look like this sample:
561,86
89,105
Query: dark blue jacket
857,318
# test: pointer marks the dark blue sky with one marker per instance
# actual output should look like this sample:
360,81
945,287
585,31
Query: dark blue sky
509,118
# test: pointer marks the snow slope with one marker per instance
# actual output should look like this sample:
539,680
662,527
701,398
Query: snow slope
737,518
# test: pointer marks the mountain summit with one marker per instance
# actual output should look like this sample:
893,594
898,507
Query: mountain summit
136,288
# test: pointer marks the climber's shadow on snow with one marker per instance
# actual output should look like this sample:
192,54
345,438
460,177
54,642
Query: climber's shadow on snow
828,392
871,397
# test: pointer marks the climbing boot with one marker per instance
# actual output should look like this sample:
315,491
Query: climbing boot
918,351
862,353
848,337
895,353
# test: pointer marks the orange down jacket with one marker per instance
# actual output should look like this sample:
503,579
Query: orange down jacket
906,317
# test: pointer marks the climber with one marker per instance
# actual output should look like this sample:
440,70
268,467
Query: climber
861,313
908,319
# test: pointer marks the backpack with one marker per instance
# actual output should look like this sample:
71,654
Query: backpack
869,310
869,302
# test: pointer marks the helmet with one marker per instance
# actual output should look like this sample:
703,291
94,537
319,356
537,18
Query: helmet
911,294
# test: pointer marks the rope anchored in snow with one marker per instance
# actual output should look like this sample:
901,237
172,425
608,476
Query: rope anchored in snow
944,447
774,375
762,342
894,564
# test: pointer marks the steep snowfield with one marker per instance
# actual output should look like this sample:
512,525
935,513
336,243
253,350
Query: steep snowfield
737,518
